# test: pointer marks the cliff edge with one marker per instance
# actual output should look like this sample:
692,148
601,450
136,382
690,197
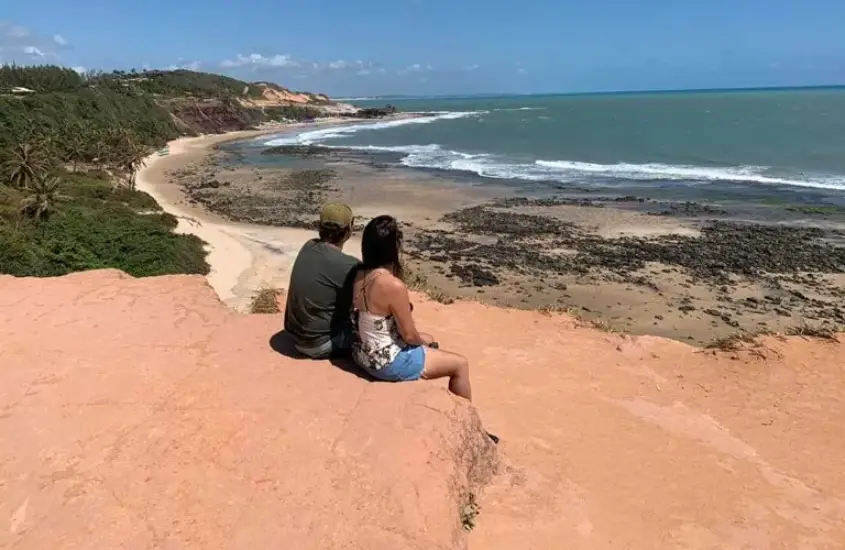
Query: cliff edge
141,413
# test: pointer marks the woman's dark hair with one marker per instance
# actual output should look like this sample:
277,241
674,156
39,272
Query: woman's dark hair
381,244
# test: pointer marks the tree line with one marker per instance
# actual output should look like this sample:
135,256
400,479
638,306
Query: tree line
46,78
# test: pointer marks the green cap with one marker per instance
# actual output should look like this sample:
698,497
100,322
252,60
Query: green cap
334,213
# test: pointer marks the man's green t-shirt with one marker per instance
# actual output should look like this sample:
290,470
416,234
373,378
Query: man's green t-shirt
319,296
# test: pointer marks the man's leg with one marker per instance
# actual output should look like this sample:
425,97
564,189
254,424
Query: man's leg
317,352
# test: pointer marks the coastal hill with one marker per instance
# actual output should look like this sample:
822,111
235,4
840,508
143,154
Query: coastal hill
159,105
142,413
71,146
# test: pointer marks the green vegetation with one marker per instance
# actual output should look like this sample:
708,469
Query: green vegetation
90,225
75,122
54,220
290,112
46,78
180,83
71,145
79,116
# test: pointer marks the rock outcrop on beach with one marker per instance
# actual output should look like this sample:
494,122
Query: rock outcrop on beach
141,413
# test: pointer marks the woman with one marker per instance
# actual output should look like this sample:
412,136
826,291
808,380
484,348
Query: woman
387,344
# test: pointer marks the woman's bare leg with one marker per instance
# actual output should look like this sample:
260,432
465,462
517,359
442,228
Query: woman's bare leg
440,364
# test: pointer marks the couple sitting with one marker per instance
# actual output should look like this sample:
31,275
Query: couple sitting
338,306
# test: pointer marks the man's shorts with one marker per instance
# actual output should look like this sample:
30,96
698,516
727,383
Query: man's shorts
338,344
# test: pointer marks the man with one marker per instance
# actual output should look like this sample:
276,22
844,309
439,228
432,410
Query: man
319,296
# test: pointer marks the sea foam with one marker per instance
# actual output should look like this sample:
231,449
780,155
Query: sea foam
336,132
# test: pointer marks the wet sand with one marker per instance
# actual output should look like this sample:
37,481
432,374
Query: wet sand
627,263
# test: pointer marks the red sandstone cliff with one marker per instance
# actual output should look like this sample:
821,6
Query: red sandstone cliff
140,413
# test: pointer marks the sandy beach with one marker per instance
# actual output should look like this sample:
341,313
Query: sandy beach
244,258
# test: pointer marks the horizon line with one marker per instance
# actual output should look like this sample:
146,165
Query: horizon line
602,92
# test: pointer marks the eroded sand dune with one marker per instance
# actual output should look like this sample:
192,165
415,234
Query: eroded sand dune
141,413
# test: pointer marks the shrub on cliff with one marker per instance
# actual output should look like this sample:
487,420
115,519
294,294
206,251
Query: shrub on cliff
95,228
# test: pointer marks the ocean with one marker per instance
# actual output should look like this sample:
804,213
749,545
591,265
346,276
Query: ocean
722,145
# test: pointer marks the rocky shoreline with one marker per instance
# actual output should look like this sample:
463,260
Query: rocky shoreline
689,270
789,266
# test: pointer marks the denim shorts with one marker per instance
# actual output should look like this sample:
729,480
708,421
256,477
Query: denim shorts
407,366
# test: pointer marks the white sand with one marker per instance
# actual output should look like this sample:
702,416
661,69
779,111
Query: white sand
243,258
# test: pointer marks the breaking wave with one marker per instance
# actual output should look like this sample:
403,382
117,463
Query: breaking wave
321,135
435,157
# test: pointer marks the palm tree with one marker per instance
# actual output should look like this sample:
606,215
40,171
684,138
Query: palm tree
76,148
131,157
98,149
26,164
134,160
43,198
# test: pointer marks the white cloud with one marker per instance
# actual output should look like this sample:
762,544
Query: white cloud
368,68
339,64
416,68
33,51
16,31
521,70
473,67
80,70
19,44
190,66
258,60
362,67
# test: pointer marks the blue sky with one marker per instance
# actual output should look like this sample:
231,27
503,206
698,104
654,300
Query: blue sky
439,47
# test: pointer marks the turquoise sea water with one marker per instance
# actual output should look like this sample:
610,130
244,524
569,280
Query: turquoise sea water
717,142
